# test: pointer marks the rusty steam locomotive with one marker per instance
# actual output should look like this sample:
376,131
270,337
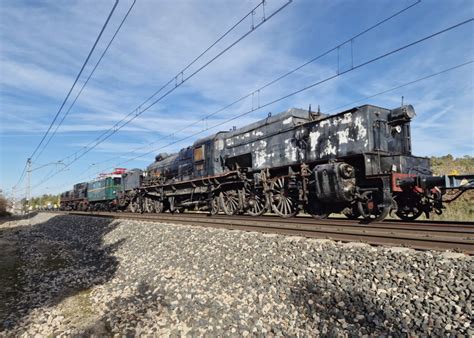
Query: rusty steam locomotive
358,162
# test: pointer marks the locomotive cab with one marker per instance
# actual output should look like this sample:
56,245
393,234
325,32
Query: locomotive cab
207,159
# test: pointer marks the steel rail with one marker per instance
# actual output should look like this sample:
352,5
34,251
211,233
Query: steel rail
447,238
461,227
307,219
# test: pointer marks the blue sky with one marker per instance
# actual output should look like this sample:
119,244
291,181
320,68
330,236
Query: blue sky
43,45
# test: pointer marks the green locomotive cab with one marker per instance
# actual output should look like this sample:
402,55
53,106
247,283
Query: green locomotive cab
102,193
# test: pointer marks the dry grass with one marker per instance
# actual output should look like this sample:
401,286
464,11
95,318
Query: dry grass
461,209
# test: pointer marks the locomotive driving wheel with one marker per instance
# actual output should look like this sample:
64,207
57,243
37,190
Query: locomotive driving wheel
284,203
214,205
159,207
370,208
229,201
256,201
135,205
149,205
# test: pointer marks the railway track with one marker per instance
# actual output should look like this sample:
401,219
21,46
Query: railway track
455,236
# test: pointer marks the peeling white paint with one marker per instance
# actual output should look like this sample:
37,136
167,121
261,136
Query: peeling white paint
247,135
261,153
330,149
313,139
343,136
347,118
288,120
325,123
361,130
291,151
258,133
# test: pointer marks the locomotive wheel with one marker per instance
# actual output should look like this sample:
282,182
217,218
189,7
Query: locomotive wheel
369,208
256,202
229,202
158,207
317,209
284,204
135,206
174,209
352,213
215,206
409,214
409,206
149,205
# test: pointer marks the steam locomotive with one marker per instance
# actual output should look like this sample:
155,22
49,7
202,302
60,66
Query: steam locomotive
357,162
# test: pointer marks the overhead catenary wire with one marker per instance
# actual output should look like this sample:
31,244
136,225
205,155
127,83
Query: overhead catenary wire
67,96
338,74
318,83
401,86
446,70
21,176
76,79
268,84
139,110
363,64
88,78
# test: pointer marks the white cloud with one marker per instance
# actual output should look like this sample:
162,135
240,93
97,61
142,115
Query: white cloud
41,56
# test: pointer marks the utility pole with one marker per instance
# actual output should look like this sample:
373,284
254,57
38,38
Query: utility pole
28,178
13,199
28,182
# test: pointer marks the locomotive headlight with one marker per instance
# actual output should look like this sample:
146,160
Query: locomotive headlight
402,114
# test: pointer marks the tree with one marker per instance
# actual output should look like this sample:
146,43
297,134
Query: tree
3,206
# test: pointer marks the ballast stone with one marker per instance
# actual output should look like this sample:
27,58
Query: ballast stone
145,278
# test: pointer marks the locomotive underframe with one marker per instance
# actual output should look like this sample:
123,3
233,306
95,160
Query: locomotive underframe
285,190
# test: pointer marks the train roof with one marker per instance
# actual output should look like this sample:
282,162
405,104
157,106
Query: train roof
104,177
205,139
291,116
165,161
361,107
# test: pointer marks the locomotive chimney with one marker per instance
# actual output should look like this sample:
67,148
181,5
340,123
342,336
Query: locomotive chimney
313,116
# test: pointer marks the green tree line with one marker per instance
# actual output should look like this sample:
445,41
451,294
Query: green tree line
42,201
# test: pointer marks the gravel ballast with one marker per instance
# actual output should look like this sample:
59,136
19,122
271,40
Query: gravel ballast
77,275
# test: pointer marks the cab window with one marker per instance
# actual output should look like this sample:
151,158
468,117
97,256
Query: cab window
199,154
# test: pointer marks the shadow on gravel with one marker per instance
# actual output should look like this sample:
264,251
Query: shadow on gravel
335,311
4,219
147,304
43,264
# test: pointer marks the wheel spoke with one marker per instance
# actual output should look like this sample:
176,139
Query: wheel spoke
279,205
258,206
285,207
282,201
